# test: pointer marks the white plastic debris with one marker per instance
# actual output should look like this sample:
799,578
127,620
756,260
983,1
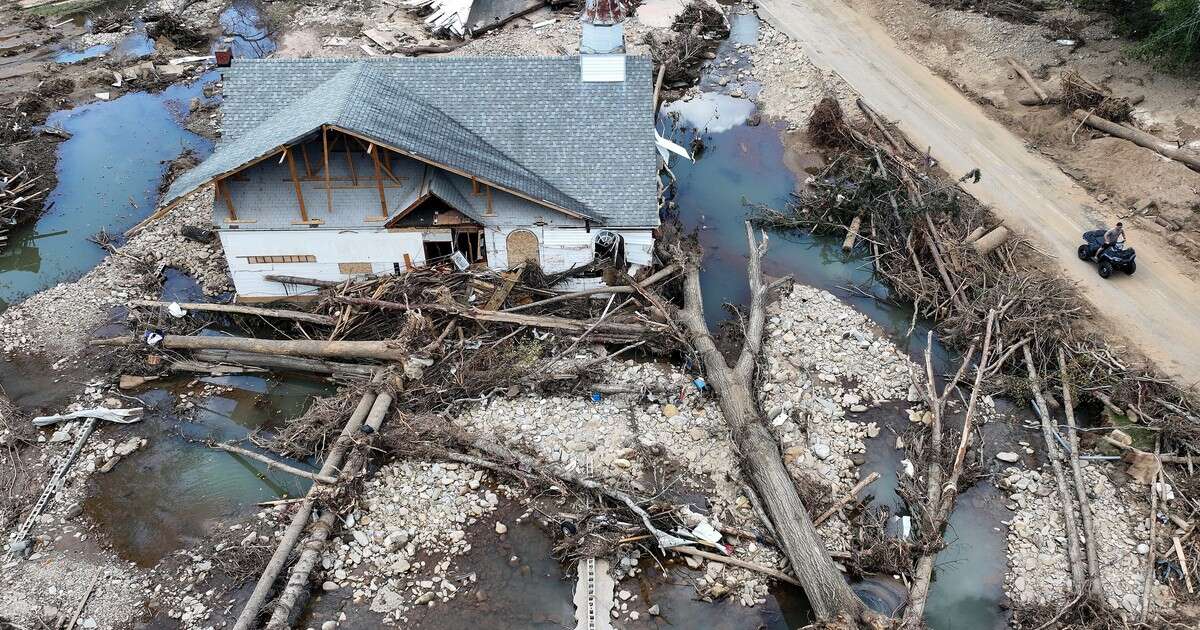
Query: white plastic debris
176,310
121,416
706,532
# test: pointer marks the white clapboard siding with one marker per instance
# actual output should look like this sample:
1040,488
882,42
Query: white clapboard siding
383,250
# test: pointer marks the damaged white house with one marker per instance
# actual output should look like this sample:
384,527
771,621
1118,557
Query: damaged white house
331,168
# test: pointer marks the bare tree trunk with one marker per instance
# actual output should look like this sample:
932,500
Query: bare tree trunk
1093,586
1064,497
941,498
1023,72
761,460
300,519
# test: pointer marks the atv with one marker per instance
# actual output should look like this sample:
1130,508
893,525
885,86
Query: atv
1115,256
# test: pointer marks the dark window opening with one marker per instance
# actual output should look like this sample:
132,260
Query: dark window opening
436,250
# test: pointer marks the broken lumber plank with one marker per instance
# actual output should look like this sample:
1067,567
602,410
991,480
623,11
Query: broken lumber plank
384,350
501,293
858,487
275,464
1140,138
1023,72
278,313
296,364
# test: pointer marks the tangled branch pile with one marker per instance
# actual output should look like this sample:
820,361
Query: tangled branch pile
699,30
1079,93
927,239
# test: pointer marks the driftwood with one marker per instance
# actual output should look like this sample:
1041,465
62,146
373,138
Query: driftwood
1052,453
716,557
761,461
858,487
291,600
1024,74
384,350
1093,585
275,464
277,313
295,364
291,536
1140,138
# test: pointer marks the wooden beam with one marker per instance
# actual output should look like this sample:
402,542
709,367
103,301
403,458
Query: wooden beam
349,159
307,165
328,187
287,153
223,190
379,181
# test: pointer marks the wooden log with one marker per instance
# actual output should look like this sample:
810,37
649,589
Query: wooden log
384,350
294,364
274,464
299,521
291,601
1030,101
852,233
758,449
975,234
1024,74
312,282
988,243
1140,138
276,313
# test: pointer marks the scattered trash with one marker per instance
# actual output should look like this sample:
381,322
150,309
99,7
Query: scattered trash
121,416
152,338
176,310
596,397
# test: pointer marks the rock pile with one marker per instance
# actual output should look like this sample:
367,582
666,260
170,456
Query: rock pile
412,522
1039,572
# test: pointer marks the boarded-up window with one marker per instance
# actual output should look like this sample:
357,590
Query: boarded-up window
278,260
354,267
522,247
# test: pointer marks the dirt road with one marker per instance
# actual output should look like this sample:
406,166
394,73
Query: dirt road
1157,310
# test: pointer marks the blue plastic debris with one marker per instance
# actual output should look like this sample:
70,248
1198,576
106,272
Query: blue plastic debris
595,396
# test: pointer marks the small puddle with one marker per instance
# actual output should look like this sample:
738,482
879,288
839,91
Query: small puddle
244,31
168,495
134,46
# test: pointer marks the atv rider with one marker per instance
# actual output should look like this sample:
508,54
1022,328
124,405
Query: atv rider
1111,238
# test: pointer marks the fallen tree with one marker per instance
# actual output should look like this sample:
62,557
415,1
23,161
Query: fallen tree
241,309
1140,138
758,450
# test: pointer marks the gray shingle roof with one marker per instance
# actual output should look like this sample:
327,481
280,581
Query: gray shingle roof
526,123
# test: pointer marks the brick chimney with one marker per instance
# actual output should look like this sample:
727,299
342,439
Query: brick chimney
602,43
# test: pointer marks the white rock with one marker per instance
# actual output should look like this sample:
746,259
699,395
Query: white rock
501,528
1008,457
